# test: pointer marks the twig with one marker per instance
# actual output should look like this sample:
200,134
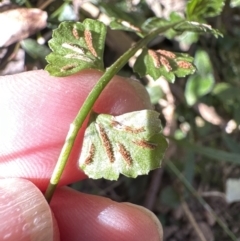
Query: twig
169,129
153,189
190,188
45,4
192,221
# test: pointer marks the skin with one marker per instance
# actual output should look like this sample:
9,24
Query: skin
36,110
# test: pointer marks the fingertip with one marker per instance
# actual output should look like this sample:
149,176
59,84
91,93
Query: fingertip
91,217
25,214
123,95
151,217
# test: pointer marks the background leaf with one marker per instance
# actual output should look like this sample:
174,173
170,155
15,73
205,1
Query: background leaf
155,22
155,93
131,144
202,82
169,197
229,97
76,46
199,9
118,11
235,3
35,50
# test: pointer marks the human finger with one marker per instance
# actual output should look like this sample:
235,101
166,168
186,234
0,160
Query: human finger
87,217
25,214
36,112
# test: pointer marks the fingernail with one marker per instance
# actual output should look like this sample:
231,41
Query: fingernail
152,216
25,214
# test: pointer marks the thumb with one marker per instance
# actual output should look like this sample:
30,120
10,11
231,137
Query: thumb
25,214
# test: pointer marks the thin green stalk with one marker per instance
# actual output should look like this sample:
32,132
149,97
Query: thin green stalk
88,104
209,152
190,188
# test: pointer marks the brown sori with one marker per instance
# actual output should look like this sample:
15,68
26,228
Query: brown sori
134,130
155,58
88,40
75,33
68,67
127,128
184,64
106,143
166,53
91,153
145,144
125,154
164,61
